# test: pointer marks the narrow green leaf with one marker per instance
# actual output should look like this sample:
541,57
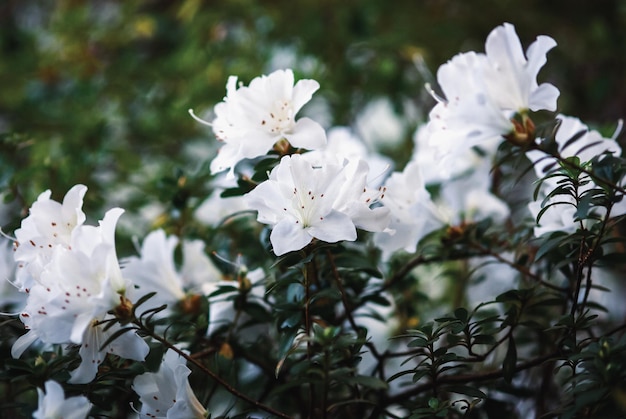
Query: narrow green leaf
365,381
510,361
468,391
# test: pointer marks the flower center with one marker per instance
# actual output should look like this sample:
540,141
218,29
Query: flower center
280,118
306,205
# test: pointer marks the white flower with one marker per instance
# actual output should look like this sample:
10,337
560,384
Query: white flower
73,278
48,225
512,77
252,119
413,214
561,214
379,125
305,201
128,345
54,405
586,147
468,116
155,270
484,91
77,285
167,393
297,200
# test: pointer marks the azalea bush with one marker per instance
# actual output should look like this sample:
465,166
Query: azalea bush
303,274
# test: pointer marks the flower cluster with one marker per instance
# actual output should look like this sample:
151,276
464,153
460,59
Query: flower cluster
338,217
73,279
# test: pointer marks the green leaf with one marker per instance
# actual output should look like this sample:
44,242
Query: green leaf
461,314
365,381
468,391
483,340
402,373
547,246
510,361
419,375
286,347
418,342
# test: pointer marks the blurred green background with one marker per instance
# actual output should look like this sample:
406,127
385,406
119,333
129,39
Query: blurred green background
97,92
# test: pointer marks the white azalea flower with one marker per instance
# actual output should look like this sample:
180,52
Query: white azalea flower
54,405
252,119
155,270
560,216
48,225
128,345
77,279
305,201
469,116
484,91
167,393
77,285
588,146
413,214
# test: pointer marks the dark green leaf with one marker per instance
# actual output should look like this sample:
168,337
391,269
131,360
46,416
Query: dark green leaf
510,361
467,390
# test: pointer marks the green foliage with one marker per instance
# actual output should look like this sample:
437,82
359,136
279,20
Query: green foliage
98,93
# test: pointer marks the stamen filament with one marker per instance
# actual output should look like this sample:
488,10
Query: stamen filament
198,119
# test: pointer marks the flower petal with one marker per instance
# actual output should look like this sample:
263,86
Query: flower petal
289,235
307,134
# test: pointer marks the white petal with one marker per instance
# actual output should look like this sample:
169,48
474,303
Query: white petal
187,406
54,404
536,54
129,345
288,236
307,134
544,97
90,358
335,226
370,219
22,343
303,92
